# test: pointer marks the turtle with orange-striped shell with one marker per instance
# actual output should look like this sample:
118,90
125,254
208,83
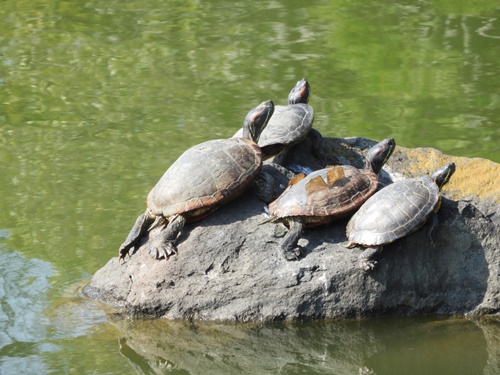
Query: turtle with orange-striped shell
327,194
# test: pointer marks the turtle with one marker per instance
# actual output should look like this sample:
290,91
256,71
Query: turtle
327,194
289,124
396,211
202,179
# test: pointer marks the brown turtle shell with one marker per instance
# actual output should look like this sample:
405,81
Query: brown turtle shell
326,194
205,177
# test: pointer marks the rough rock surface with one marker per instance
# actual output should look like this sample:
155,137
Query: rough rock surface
230,268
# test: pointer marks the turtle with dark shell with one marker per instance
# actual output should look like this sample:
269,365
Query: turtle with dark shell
396,211
327,194
202,179
289,124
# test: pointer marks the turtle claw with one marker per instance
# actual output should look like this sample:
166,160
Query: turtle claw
293,254
124,252
130,246
366,260
164,250
366,264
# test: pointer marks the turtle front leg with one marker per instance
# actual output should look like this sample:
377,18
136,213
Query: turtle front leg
289,246
366,259
140,227
163,244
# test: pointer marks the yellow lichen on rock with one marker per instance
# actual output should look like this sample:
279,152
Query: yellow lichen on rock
474,177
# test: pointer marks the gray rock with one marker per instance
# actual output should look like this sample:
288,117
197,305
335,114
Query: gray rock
229,266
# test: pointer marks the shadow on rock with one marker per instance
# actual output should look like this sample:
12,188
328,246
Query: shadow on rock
450,276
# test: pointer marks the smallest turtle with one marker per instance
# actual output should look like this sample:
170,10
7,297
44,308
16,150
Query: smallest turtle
289,124
395,211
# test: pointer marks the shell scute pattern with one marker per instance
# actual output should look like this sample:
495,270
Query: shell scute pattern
288,125
394,212
342,197
205,175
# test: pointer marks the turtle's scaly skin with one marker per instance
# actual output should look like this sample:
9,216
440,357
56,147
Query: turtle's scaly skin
202,179
327,194
395,211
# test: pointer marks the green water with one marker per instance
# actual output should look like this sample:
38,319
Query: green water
98,98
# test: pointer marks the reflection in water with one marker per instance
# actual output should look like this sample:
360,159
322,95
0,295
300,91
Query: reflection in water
439,347
491,329
385,346
39,335
23,287
143,366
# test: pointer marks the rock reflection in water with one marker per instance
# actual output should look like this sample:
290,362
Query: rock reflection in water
382,346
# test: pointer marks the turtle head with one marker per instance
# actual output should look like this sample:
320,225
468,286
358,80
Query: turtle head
442,175
377,155
257,119
300,93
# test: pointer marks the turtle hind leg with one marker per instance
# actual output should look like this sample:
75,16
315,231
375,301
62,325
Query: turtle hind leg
289,246
141,226
366,260
163,244
433,223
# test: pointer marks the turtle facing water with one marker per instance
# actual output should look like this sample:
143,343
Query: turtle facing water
202,179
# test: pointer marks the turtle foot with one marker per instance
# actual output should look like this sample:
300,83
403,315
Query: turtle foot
366,264
125,251
121,255
366,260
164,250
293,254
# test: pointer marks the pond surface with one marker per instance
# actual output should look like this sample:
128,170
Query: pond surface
98,98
